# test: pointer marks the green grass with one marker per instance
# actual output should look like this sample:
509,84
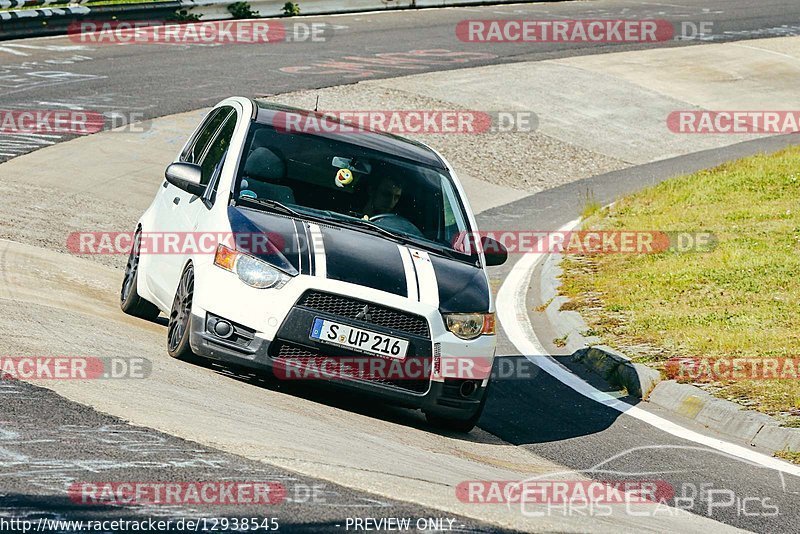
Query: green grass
792,456
591,206
738,300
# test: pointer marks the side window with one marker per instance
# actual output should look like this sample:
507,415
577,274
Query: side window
214,157
453,217
194,151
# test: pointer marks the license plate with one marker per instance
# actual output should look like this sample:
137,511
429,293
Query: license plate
361,340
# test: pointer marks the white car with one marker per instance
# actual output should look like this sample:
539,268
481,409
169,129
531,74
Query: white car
346,256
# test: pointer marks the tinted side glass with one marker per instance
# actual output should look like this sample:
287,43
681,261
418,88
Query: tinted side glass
215,154
194,151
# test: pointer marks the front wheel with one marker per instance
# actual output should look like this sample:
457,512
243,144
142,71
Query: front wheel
464,424
180,318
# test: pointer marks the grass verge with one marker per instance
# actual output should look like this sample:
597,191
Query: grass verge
738,300
792,456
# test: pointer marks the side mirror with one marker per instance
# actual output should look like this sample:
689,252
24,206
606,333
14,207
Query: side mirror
186,176
495,252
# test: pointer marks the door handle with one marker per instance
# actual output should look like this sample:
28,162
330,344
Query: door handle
176,200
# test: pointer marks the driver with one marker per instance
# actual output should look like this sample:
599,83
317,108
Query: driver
383,196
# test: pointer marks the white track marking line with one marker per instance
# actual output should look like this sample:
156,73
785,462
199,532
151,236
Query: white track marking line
513,315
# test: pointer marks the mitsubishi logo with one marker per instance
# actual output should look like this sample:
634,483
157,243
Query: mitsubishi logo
364,315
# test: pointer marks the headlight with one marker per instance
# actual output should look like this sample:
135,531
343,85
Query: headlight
259,274
251,271
469,325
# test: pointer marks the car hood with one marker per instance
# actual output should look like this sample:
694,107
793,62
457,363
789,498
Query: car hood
349,255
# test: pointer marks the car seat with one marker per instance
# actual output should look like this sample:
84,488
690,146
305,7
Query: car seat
262,168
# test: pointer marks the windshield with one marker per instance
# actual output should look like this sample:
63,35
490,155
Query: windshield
351,184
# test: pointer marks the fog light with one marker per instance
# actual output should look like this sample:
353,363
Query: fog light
468,388
223,329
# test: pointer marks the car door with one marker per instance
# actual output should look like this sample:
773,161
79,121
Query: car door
192,211
177,211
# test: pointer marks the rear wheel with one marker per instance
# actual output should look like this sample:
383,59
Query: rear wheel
129,299
180,318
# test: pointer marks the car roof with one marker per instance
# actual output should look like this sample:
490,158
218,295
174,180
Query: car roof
361,137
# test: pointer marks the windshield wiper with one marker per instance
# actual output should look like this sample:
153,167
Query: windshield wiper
405,239
371,225
273,204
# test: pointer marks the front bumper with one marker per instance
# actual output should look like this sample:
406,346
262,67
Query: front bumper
442,396
288,341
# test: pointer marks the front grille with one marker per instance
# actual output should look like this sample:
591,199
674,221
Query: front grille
379,315
297,361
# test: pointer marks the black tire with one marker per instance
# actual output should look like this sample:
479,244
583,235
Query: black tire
129,300
462,424
180,317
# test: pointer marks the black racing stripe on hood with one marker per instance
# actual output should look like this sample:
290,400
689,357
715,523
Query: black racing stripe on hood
365,260
462,287
280,231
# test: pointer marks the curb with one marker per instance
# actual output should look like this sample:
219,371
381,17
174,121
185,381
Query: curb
638,379
758,429
643,382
